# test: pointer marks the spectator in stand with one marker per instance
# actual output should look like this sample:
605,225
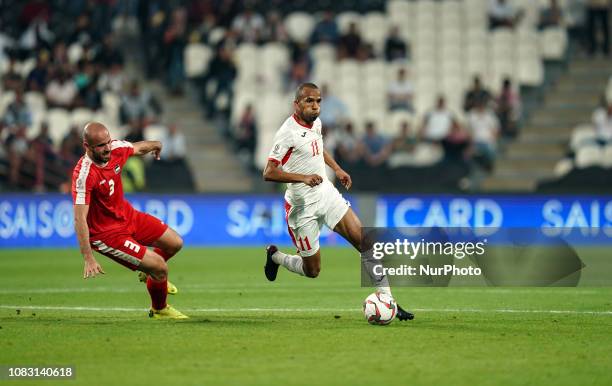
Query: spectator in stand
602,121
485,129
137,105
12,80
274,30
17,113
326,30
175,41
222,71
85,75
503,14
246,133
598,13
509,109
456,144
551,16
107,54
90,97
333,110
152,15
71,149
400,92
175,146
406,141
350,43
61,91
59,56
395,47
349,149
376,150
438,122
37,78
249,25
136,130
113,79
301,65
476,95
43,154
82,33
17,146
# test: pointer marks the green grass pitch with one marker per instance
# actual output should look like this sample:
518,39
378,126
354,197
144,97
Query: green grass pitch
295,331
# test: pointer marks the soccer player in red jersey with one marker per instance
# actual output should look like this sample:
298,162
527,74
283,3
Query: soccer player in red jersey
106,222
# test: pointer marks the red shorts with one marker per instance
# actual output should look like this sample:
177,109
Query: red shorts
128,246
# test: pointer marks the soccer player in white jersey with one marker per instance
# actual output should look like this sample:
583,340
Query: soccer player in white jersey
311,200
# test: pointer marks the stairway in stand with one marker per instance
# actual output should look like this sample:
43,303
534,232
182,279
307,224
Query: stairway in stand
545,136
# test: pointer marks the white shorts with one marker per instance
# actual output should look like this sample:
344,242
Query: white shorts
305,222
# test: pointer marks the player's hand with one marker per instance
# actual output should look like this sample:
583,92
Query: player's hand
344,178
92,268
312,180
157,153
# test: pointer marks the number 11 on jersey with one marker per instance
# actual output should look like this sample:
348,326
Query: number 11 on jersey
315,147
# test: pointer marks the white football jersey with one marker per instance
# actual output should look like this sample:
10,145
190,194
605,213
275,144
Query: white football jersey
299,149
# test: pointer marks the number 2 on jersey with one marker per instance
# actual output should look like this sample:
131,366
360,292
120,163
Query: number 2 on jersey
315,147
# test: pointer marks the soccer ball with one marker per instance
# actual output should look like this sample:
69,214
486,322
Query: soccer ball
379,308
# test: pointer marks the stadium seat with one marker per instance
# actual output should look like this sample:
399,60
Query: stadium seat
427,154
80,116
111,103
583,135
530,72
563,167
59,124
155,132
75,52
197,57
216,35
553,42
395,121
344,20
323,52
299,26
400,10
6,98
589,155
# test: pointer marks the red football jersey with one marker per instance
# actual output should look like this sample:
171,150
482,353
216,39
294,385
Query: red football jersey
101,189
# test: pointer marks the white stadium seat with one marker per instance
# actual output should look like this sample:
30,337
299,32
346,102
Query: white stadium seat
583,135
197,57
590,155
59,124
299,26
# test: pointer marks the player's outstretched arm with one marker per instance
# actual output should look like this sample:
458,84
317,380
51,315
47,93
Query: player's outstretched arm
343,177
273,173
92,268
146,147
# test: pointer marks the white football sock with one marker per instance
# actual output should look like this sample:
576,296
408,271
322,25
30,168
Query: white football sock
293,263
384,290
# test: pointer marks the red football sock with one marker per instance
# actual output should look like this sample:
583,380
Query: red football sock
158,290
162,254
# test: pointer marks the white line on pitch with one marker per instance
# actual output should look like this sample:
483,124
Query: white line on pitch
272,310
194,288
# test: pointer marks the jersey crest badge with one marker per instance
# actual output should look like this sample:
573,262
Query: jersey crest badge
117,169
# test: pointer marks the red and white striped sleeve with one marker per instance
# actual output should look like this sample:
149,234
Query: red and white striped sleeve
82,182
283,142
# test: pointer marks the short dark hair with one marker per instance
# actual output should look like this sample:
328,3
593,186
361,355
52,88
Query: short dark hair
298,92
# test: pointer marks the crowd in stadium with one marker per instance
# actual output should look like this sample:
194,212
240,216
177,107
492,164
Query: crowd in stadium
69,59
62,65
